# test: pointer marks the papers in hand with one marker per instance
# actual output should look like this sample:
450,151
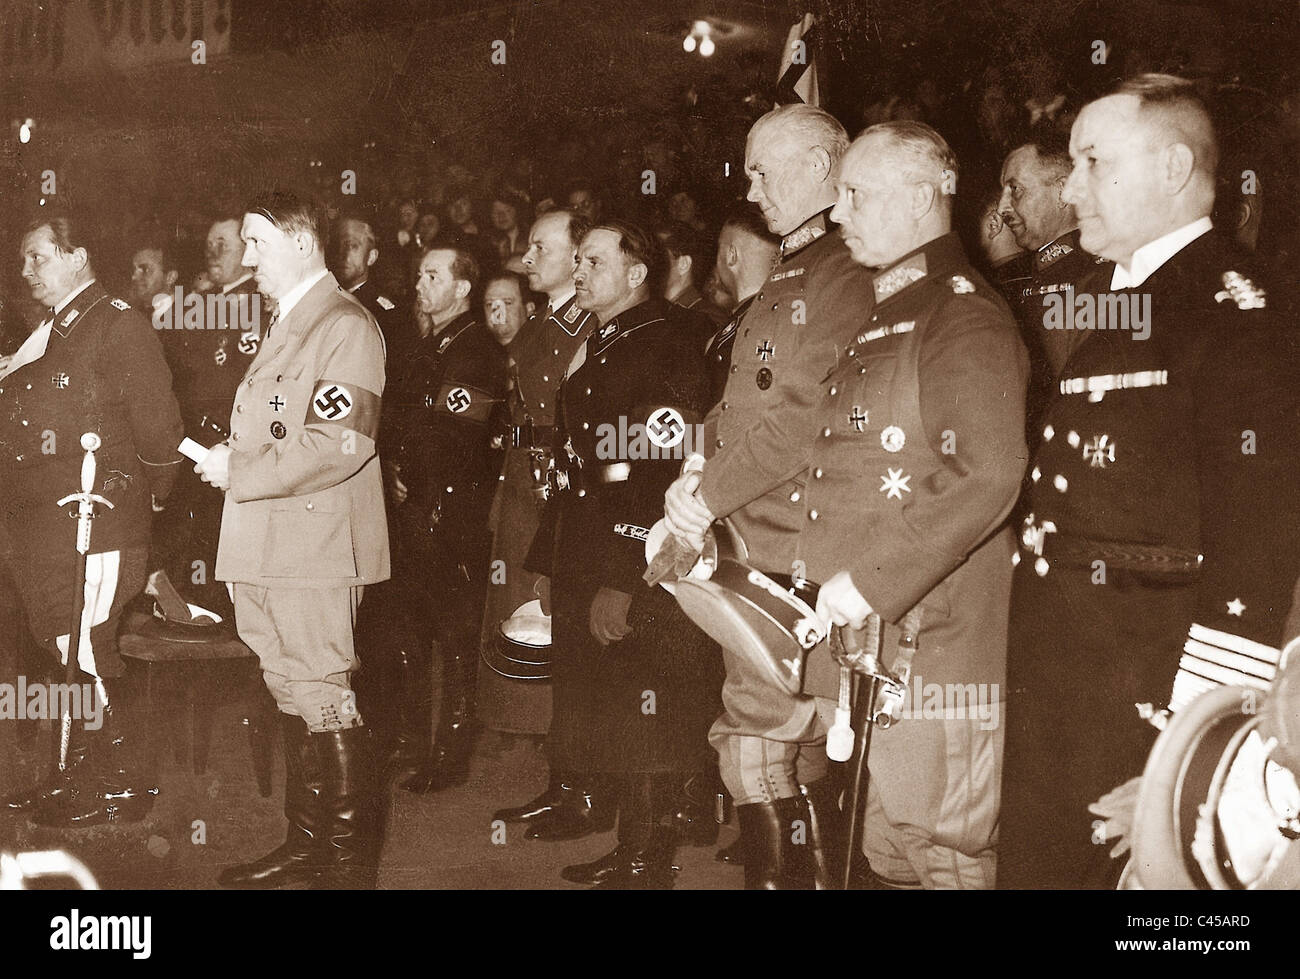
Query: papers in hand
192,450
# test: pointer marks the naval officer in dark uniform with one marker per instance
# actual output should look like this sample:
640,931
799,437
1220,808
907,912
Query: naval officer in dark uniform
93,364
435,441
1162,526
635,680
917,463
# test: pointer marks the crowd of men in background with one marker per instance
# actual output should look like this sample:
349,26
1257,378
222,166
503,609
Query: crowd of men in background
889,415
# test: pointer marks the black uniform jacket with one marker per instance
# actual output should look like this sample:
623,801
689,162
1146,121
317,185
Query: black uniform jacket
102,371
639,378
438,416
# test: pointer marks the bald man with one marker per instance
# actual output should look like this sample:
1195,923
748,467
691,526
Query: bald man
1162,537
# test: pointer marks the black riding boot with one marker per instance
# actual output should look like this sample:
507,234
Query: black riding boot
412,692
349,810
588,806
647,839
448,762
827,832
776,841
111,785
695,818
58,783
559,790
295,859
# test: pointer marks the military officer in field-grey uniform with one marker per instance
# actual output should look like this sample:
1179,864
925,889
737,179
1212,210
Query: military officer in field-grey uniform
916,464
758,439
303,532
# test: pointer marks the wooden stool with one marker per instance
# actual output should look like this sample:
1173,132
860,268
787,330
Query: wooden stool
196,677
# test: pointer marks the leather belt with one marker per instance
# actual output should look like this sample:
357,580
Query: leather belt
1074,551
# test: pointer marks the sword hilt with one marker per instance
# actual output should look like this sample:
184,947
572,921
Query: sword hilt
86,499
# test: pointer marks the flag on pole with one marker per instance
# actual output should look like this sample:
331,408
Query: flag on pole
798,79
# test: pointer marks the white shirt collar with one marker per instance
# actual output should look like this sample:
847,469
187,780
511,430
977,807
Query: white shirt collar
296,294
564,298
357,286
66,300
238,282
1147,259
33,348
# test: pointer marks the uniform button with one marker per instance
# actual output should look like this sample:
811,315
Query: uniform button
724,406
582,492
19,458
586,391
279,378
760,295
817,473
29,387
24,423
545,377
1015,559
1036,475
720,443
733,367
1048,432
826,432
585,426
775,305
794,497
834,390
874,317
602,360
541,404
1041,566
862,368
853,352
239,409
555,353
1073,439
235,437
1061,483
812,514
311,506
250,382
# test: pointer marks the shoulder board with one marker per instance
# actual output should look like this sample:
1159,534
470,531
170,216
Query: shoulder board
385,302
121,304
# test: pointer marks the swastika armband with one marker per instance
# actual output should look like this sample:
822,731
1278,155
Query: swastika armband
345,405
462,400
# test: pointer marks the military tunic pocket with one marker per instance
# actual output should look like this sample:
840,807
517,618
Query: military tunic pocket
304,541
